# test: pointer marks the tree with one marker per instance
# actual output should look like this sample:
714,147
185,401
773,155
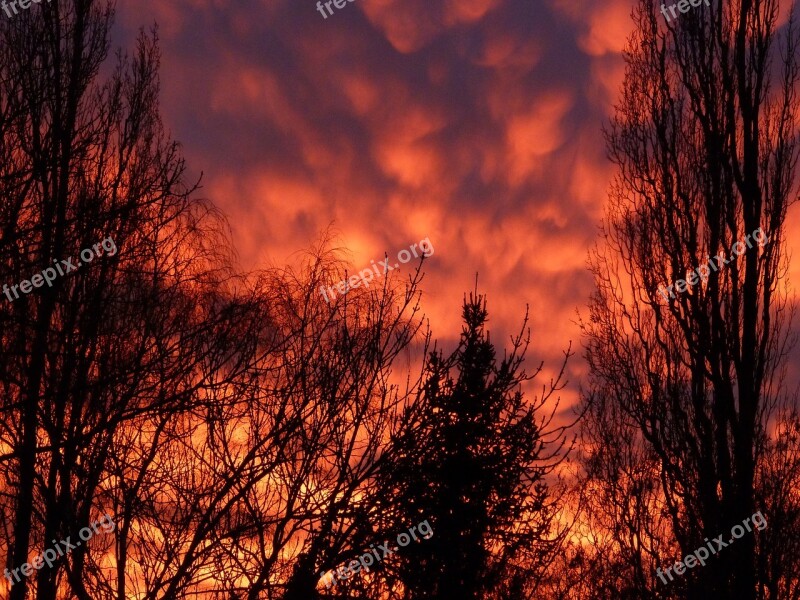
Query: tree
93,356
473,463
686,397
334,368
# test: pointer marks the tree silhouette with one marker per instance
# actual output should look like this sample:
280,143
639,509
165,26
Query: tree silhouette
473,464
92,360
686,399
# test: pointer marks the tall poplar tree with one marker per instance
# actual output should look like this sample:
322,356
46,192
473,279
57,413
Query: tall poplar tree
686,405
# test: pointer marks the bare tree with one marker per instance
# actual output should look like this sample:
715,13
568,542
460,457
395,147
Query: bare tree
686,382
336,370
113,354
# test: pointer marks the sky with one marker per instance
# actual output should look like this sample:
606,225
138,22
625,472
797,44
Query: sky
474,123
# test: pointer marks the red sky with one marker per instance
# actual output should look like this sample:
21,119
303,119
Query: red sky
475,123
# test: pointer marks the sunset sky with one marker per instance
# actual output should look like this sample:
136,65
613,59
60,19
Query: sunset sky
475,123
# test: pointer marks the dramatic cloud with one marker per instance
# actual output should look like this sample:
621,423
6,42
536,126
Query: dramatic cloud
474,122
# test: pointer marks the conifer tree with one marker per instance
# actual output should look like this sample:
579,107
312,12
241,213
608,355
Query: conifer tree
473,464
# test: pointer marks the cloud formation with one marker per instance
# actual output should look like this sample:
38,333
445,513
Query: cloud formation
474,122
